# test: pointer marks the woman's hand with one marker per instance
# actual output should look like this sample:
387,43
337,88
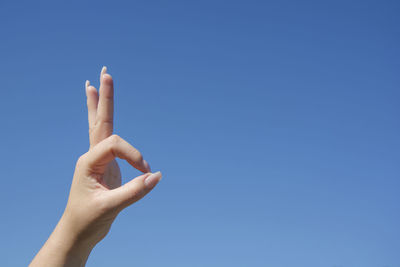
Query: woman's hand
92,206
96,195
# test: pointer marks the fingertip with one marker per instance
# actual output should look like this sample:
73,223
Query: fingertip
87,83
103,70
107,77
147,165
92,88
151,181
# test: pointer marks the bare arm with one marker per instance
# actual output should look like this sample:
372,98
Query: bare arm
96,196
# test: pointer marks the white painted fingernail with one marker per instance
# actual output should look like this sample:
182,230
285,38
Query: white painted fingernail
152,180
103,71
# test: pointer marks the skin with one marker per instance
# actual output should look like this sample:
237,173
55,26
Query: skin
96,196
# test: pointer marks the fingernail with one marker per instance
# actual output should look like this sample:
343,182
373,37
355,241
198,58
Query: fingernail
103,71
87,83
147,165
152,180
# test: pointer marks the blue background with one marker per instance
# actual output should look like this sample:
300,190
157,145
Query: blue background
275,124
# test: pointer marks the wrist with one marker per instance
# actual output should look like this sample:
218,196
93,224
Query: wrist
68,239
63,248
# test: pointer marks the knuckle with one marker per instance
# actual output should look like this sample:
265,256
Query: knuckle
107,121
114,139
81,160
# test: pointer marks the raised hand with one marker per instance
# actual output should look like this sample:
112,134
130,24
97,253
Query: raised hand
96,196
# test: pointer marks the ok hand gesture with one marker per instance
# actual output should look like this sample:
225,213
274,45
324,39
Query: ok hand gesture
96,196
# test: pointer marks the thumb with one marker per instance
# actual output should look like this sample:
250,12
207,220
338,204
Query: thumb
133,190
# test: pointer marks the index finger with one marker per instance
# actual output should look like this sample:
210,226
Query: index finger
115,147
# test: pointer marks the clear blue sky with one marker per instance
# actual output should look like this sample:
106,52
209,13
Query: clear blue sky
275,124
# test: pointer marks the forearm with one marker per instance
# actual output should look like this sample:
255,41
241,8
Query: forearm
97,195
62,249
